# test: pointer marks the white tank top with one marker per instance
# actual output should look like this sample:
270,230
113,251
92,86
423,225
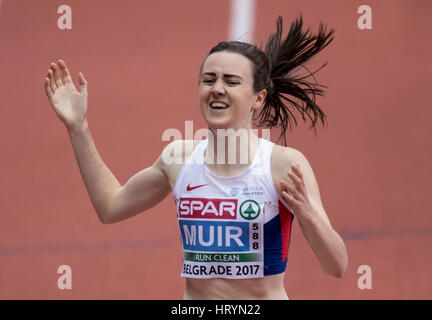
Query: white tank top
232,227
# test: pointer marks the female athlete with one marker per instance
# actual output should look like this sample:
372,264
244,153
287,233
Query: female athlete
234,217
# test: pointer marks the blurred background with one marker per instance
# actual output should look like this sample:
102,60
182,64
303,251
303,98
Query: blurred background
141,60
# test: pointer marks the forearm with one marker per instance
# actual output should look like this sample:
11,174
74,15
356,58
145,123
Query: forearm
327,245
101,184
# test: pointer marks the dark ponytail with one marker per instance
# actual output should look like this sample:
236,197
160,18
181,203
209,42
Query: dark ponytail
285,56
274,71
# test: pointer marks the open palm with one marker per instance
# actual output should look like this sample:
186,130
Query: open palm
69,104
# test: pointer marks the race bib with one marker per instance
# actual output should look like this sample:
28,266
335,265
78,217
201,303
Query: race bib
221,238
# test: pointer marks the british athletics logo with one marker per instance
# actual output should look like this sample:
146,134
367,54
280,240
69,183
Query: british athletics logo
207,208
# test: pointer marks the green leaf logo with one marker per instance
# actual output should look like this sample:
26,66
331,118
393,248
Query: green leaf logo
250,209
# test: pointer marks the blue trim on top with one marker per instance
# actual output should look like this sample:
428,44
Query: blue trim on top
273,263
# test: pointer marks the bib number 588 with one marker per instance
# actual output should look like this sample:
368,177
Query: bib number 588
255,236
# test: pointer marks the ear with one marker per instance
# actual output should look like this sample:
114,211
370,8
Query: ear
259,100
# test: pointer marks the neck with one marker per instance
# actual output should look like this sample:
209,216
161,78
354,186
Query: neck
229,151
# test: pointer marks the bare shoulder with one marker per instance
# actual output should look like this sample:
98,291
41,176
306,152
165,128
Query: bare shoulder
282,158
174,156
284,153
178,149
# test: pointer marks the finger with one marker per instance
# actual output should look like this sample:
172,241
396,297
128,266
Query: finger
288,198
291,191
51,80
297,181
57,78
296,169
66,74
285,185
299,184
83,83
48,88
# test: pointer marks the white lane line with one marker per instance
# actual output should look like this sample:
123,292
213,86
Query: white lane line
242,20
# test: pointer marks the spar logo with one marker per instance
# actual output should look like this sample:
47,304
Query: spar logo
250,209
207,208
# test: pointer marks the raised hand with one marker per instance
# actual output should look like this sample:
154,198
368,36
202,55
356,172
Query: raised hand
69,104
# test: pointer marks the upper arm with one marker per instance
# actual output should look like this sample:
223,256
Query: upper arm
142,191
284,158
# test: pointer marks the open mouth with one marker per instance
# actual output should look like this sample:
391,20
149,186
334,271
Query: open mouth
218,105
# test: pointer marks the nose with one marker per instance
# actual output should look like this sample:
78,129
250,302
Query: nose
218,88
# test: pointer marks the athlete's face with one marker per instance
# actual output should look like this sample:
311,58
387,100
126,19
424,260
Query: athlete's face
227,78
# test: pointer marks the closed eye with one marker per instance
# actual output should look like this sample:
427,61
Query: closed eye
233,82
211,81
208,81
